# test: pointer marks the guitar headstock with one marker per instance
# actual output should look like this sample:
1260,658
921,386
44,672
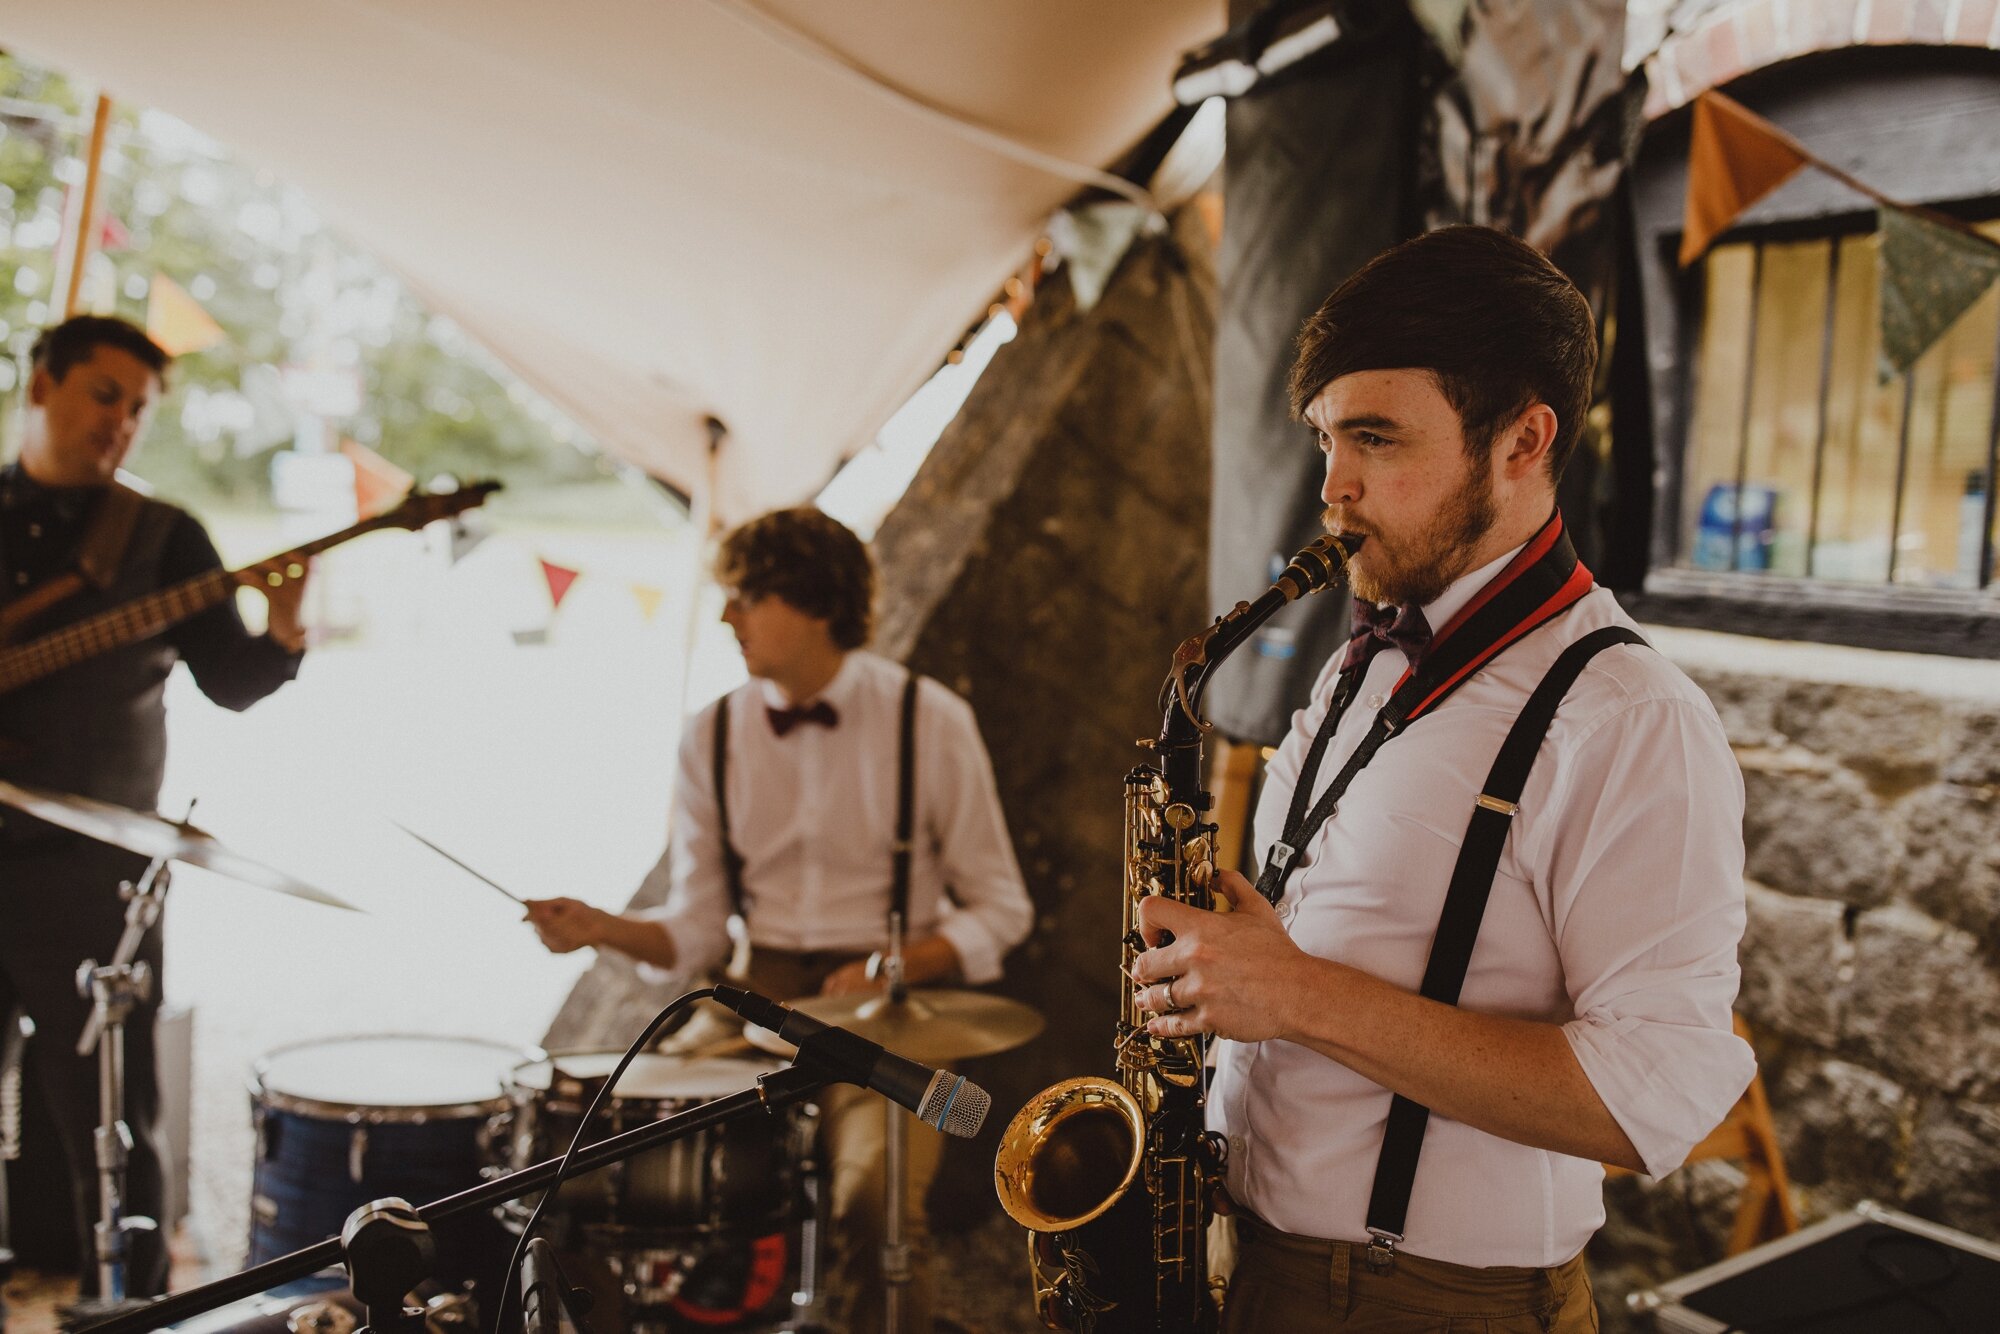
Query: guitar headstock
420,508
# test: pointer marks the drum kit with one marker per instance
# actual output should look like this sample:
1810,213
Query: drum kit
718,1229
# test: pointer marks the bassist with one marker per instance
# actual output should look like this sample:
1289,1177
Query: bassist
73,543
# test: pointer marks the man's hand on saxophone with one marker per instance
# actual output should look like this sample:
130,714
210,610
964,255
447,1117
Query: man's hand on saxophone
1234,974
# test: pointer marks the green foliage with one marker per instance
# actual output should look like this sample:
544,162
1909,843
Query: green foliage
286,291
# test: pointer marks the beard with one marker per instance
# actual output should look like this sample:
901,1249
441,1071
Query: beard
1414,571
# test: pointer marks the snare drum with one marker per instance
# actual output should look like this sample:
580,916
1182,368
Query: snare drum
343,1121
742,1173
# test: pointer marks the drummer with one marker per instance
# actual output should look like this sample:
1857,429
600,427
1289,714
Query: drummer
785,814
98,728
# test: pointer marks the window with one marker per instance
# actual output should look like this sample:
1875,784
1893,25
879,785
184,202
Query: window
1800,461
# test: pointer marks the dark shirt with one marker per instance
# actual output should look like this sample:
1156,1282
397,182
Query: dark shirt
98,727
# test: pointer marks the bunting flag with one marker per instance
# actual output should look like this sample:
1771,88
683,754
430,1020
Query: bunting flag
560,578
1931,275
1736,158
648,598
379,485
176,320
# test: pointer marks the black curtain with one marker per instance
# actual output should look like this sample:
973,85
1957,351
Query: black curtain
1319,178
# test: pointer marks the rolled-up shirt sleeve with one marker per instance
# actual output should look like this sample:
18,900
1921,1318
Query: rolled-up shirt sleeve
1646,881
989,912
697,908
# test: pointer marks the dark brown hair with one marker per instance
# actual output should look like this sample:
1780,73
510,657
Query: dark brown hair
63,346
809,560
1495,323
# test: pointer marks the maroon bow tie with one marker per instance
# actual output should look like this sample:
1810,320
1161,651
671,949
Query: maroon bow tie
1374,626
819,711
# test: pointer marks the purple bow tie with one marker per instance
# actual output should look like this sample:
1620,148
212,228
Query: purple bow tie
1374,626
819,711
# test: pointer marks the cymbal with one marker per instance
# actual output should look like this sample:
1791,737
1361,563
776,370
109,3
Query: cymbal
155,836
930,1026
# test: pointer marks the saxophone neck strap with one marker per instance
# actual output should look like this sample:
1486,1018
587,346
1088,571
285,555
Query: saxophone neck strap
1543,581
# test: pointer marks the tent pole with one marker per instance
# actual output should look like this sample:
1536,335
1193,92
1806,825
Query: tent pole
86,217
701,517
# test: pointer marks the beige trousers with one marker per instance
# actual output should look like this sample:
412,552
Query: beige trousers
1303,1285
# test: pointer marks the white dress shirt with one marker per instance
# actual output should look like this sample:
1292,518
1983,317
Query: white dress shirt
1616,913
813,815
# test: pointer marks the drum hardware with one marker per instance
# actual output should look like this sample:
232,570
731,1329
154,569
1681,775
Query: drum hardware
113,991
896,1153
778,1089
547,1298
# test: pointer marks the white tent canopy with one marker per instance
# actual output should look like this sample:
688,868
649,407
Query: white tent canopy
777,212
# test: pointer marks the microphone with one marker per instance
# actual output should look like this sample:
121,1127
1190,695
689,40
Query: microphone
939,1098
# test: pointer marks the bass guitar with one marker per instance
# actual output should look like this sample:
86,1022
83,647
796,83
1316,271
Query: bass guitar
158,611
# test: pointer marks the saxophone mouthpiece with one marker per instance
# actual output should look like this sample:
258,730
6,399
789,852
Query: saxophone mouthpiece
1318,564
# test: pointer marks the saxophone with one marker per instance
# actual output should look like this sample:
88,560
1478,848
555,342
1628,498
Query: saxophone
1113,1178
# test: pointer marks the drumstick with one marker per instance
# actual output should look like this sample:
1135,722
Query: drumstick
483,879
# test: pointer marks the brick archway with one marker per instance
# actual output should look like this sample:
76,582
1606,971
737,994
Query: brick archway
1736,38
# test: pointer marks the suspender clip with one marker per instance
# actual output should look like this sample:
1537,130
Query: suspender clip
1381,1252
1506,808
1282,854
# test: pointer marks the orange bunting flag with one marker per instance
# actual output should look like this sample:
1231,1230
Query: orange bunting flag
560,578
648,599
379,485
1736,158
176,320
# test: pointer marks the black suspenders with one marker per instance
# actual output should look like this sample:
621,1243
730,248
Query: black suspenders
906,804
1458,924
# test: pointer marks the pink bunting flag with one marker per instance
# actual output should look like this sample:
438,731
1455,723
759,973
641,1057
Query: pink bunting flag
560,578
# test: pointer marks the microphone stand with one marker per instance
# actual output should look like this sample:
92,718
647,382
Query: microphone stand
777,1089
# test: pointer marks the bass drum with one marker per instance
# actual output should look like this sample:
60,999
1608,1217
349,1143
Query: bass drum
348,1120
716,1230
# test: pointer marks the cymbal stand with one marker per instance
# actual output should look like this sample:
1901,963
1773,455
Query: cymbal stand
896,1155
114,990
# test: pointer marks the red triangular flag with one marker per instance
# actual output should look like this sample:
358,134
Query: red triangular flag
560,577
1735,158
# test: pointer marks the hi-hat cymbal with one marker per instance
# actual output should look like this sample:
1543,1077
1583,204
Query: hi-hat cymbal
155,836
929,1026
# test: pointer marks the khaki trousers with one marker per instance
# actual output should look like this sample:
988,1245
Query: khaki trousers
1303,1284
854,1136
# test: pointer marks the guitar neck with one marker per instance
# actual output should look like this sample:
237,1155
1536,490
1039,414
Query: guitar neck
142,618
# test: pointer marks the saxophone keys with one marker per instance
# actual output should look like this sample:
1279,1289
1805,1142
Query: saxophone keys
1180,815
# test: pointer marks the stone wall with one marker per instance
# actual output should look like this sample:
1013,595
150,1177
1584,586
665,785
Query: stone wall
1871,965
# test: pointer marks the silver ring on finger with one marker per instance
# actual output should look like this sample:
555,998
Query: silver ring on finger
1167,993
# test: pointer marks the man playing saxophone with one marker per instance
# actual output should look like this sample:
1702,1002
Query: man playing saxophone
1503,839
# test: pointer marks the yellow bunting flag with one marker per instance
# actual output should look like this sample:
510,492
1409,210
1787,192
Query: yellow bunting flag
176,320
379,485
1736,158
648,599
560,578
